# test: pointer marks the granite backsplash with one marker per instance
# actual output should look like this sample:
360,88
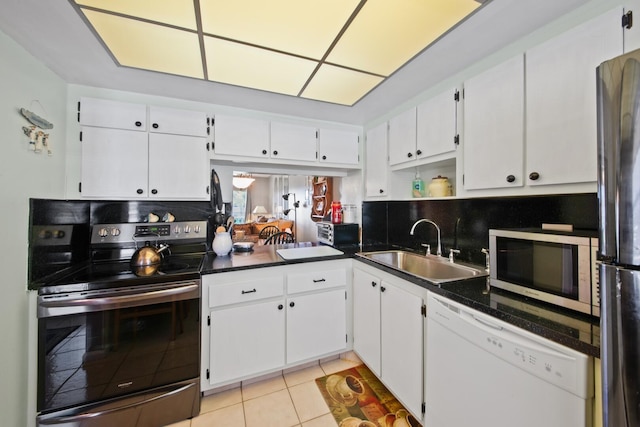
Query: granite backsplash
465,223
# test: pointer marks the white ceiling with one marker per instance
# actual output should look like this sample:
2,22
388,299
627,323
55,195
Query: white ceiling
55,33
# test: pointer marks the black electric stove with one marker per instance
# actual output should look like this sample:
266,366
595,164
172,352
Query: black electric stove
119,345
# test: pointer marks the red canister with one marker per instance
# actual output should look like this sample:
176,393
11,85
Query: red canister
336,212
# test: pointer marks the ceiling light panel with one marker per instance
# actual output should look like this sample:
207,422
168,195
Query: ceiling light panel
243,65
148,46
180,13
339,85
306,28
387,34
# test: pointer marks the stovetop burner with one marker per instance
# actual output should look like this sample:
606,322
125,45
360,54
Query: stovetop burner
121,270
111,253
113,274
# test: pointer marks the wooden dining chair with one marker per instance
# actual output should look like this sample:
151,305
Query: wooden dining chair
268,231
279,238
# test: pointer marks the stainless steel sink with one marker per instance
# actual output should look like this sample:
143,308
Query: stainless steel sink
433,268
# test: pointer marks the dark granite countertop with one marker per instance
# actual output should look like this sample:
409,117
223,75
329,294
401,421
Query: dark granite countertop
569,328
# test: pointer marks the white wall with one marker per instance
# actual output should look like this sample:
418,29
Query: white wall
26,83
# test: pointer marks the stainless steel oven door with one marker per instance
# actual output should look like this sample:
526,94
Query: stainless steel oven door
112,346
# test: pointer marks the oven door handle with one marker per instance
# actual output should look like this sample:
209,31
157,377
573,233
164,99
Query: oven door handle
85,303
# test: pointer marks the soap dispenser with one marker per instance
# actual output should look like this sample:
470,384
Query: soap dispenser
418,186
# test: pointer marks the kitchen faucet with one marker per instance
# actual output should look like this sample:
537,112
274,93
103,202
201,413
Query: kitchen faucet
439,248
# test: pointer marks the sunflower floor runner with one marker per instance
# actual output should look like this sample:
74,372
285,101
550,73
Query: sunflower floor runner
358,399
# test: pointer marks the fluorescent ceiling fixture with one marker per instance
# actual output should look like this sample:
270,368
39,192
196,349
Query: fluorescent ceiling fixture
335,51
242,65
340,85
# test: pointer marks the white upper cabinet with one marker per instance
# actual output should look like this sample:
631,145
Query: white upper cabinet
129,163
436,132
375,159
114,163
293,142
112,114
494,127
338,146
402,138
561,129
178,122
240,136
263,141
178,167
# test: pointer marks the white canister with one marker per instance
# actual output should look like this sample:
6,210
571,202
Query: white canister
349,214
440,187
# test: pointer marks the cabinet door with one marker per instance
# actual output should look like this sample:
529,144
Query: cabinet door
114,163
293,142
436,125
561,101
177,121
366,319
246,340
112,114
402,344
494,127
338,146
178,167
376,162
239,136
316,325
402,138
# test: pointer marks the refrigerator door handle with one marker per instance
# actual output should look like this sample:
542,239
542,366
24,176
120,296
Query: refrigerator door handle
608,89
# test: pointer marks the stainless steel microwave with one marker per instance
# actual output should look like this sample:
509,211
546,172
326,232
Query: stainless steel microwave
553,267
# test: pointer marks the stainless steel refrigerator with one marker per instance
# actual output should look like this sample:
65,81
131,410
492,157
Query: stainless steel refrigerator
619,246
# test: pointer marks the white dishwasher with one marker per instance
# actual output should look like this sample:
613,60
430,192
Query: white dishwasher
483,372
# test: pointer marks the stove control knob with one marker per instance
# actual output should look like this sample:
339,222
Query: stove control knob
196,229
115,232
103,232
187,229
177,230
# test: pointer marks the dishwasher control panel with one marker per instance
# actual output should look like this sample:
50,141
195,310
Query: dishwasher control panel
545,359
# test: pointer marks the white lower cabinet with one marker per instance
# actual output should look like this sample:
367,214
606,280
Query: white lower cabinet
240,334
366,318
316,324
262,320
388,326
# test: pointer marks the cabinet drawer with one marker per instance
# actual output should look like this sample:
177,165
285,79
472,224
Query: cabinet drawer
315,280
245,291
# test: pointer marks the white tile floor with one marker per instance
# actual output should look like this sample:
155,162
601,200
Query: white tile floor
288,400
